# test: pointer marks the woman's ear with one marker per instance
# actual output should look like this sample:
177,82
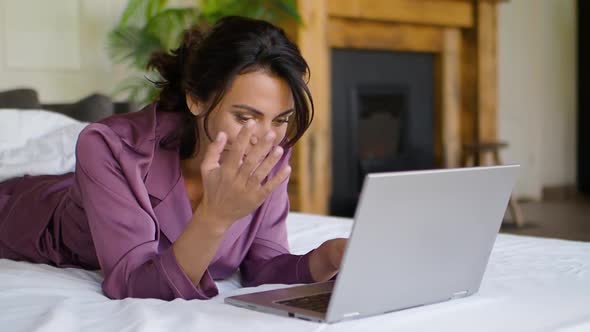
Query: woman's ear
193,105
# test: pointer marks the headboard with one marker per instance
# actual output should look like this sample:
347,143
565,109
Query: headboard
89,109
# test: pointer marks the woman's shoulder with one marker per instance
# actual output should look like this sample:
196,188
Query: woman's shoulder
133,128
109,137
127,140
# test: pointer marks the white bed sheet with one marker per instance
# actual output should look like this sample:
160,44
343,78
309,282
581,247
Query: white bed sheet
531,284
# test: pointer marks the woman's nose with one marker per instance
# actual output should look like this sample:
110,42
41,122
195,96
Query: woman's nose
263,129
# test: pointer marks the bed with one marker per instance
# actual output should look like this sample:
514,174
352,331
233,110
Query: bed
531,284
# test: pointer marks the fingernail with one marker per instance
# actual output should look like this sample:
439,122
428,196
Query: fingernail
278,151
219,137
288,170
253,140
269,136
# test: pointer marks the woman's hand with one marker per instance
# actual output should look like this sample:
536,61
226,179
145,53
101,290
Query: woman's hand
233,189
324,262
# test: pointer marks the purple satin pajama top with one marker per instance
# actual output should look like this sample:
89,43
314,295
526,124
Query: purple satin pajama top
123,207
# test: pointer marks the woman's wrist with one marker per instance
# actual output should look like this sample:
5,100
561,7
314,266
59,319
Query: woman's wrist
209,222
198,243
320,266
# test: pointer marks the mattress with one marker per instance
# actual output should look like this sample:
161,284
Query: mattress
531,284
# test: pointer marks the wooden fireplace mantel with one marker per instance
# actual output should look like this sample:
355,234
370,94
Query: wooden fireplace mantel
460,33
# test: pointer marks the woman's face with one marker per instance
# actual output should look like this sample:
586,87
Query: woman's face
256,95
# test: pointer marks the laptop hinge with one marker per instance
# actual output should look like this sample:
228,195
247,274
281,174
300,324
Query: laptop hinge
460,294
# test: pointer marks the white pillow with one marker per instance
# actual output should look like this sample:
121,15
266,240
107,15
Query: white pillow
37,142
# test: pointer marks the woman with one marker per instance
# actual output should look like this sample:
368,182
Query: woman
189,189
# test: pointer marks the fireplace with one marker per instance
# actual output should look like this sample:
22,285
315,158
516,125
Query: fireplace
382,118
456,38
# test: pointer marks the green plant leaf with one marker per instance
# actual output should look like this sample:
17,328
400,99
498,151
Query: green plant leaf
133,14
137,89
167,26
133,46
138,12
154,7
289,7
214,10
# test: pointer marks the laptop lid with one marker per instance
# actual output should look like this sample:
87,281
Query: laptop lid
420,237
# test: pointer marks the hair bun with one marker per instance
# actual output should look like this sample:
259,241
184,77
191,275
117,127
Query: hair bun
170,64
191,39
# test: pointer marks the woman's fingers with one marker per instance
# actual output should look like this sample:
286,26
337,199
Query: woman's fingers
272,183
240,176
213,153
235,155
256,155
257,175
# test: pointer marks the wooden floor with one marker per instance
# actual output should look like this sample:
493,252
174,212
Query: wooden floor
564,219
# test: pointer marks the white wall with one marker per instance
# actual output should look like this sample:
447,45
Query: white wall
537,91
58,47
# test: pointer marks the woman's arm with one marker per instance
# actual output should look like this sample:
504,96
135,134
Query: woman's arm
269,260
197,244
124,229
230,191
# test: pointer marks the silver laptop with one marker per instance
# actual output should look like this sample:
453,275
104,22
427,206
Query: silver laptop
418,238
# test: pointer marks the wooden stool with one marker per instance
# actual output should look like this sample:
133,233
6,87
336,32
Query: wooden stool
472,154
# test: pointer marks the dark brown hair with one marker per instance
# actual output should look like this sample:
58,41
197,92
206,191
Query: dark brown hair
205,65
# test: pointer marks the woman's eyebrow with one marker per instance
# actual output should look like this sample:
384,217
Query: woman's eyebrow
259,113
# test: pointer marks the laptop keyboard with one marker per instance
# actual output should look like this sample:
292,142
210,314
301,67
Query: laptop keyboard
317,302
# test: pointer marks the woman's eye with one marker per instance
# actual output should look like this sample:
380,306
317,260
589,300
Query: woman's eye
242,118
282,121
